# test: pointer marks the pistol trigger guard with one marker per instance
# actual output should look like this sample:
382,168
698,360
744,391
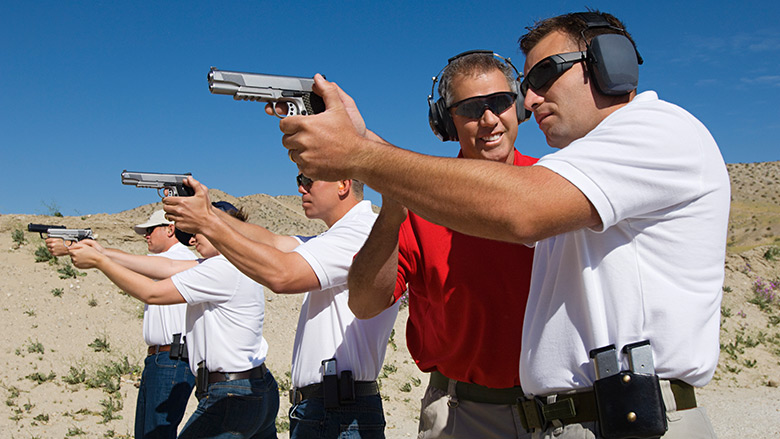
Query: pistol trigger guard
273,106
166,192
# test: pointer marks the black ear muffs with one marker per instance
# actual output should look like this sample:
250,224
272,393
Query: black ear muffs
440,120
613,61
439,116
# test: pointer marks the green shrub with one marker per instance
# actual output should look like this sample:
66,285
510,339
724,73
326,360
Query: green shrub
18,237
42,254
69,271
772,254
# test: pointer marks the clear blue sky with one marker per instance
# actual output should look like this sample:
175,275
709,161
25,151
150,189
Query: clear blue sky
88,89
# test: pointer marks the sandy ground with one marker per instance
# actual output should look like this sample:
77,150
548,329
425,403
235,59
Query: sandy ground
51,328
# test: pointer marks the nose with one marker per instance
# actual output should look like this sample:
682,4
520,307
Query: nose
532,99
489,118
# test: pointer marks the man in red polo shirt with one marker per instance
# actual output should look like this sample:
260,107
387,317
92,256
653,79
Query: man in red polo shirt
467,295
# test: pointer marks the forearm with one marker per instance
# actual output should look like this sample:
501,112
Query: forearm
282,271
475,197
373,273
253,232
155,267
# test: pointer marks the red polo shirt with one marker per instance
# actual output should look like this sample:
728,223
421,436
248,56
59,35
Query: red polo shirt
467,299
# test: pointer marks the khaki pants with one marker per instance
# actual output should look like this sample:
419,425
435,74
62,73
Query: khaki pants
685,424
444,416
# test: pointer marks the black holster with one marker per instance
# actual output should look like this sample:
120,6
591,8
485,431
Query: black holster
201,381
179,348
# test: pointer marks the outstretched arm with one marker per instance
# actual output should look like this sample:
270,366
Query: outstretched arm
155,267
267,258
476,197
373,273
137,285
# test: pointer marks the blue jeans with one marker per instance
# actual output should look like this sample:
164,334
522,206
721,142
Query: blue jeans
236,409
165,388
365,419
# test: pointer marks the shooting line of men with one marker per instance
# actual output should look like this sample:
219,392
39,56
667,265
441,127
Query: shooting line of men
575,295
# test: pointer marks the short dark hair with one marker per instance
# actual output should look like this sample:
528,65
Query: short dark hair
239,214
230,209
575,27
357,189
473,64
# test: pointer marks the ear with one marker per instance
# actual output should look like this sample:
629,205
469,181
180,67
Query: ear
170,230
345,186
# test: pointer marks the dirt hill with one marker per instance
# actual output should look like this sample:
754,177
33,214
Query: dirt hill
72,346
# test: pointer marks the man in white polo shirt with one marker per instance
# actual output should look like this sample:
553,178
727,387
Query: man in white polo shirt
224,327
166,381
336,357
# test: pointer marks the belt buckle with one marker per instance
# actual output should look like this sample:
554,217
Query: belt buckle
532,411
540,414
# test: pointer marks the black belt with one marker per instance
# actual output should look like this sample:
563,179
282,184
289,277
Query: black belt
476,393
575,408
257,372
362,388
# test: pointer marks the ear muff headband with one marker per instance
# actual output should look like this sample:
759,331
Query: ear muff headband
613,61
439,116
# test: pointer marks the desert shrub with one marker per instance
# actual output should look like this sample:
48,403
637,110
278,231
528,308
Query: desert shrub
42,254
772,254
18,237
69,271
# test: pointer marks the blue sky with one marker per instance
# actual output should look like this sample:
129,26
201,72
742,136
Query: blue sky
88,89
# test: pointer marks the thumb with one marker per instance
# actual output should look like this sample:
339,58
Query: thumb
329,92
196,186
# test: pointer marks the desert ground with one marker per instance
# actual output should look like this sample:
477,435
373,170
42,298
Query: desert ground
72,348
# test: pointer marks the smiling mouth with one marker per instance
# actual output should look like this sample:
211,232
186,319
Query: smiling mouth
491,138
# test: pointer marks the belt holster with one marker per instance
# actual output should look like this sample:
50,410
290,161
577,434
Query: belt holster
629,403
179,348
336,391
201,381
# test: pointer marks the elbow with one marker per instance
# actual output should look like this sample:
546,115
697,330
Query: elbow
367,304
282,284
515,227
362,311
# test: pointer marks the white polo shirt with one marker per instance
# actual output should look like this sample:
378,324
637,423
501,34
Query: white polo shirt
162,321
225,313
326,326
654,270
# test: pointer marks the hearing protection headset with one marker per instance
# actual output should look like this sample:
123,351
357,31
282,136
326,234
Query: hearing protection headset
439,115
613,60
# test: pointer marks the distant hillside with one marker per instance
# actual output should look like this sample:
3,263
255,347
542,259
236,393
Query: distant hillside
755,205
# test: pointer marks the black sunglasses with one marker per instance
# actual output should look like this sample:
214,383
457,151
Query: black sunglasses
549,69
475,107
303,180
150,229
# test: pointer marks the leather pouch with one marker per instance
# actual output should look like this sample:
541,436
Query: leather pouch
630,405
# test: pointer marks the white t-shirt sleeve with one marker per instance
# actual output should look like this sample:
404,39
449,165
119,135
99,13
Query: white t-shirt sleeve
330,254
206,282
604,164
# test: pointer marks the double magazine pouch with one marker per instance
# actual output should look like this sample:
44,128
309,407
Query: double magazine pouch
336,391
629,402
178,348
201,381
